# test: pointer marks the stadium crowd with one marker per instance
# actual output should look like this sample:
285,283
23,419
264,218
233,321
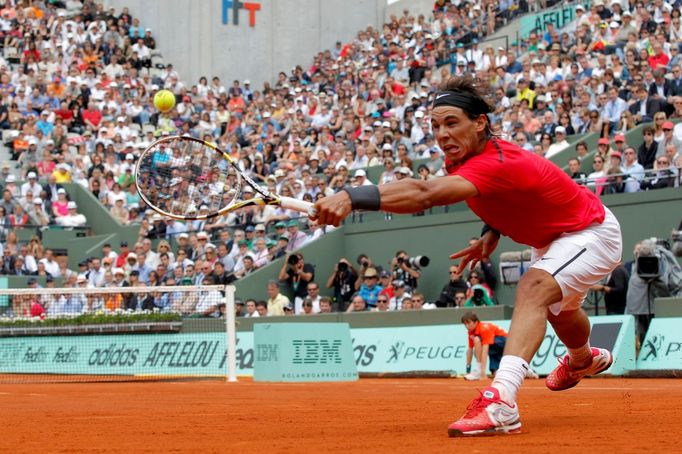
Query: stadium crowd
76,89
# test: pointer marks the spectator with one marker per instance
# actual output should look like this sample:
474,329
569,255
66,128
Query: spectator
369,290
615,290
454,285
400,292
358,304
262,309
251,308
73,218
276,301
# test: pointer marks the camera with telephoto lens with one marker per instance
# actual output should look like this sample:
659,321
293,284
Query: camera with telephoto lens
342,267
292,260
417,262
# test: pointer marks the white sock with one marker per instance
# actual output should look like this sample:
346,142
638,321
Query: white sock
580,355
509,377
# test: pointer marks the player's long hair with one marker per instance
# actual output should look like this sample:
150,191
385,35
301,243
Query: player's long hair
468,84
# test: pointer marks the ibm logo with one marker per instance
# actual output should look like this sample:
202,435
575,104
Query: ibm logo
317,352
266,352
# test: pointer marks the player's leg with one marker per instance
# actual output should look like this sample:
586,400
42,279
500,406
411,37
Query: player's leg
573,328
536,292
495,411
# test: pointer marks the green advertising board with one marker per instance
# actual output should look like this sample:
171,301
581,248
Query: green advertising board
286,349
136,354
443,348
662,347
559,17
303,352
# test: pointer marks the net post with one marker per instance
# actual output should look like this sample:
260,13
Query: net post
230,331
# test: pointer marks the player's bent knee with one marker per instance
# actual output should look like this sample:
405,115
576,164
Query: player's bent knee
537,289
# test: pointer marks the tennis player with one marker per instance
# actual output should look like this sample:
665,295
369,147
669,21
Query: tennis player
576,242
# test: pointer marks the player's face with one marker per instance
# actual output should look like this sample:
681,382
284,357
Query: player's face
458,136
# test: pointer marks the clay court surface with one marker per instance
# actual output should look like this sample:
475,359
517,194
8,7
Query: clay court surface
371,415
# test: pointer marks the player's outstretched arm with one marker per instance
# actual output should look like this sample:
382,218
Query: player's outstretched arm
404,196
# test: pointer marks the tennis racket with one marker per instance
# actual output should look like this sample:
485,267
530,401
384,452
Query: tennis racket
189,179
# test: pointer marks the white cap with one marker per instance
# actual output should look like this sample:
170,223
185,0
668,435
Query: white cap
210,246
247,82
32,175
419,114
183,235
119,271
614,24
266,114
113,85
387,146
202,235
11,178
559,130
37,201
260,228
121,119
81,278
377,124
385,124
360,173
130,156
404,171
131,255
247,189
203,207
71,205
60,190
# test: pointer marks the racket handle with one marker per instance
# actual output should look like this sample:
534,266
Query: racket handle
299,205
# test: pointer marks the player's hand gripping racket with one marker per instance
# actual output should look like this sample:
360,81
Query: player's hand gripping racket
177,176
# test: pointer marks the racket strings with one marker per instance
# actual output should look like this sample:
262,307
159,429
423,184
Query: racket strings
185,178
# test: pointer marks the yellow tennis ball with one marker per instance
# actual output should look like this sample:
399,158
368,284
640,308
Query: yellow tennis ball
164,100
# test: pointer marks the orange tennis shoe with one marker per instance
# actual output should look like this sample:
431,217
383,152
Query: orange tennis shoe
487,415
565,377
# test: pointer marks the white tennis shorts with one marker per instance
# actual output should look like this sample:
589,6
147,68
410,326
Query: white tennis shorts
579,260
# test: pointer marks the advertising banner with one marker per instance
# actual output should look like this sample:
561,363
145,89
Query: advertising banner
303,352
662,347
440,348
443,348
559,17
136,354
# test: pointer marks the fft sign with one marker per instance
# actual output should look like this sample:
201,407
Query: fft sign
235,6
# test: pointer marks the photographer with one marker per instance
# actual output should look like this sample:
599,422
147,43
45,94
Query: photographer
297,274
406,269
364,262
655,273
342,280
479,297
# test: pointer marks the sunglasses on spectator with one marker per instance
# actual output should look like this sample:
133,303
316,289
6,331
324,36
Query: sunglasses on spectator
382,301
662,161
